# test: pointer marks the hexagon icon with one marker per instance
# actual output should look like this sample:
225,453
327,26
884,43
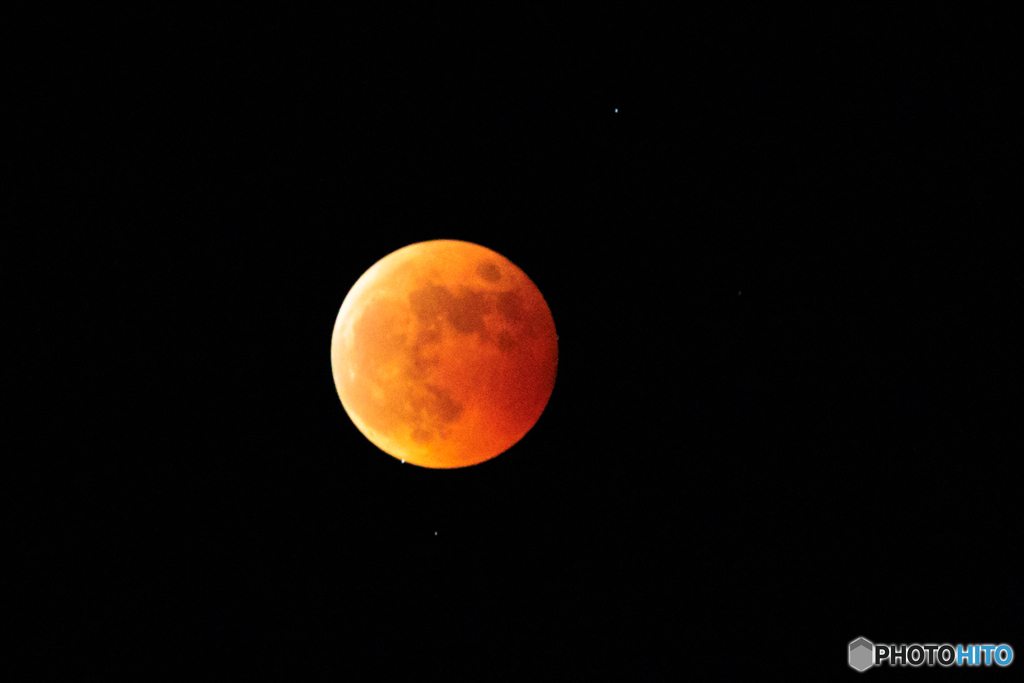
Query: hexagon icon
862,654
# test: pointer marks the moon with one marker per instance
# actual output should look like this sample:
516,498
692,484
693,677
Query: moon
444,354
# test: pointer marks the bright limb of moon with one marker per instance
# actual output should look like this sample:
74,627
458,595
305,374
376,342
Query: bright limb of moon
444,354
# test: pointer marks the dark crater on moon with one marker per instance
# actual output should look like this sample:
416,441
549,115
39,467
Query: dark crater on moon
488,271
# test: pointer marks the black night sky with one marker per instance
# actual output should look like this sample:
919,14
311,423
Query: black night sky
780,277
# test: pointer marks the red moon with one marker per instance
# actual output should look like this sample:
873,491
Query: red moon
444,354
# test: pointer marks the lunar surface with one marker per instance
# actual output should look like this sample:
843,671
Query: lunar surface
444,354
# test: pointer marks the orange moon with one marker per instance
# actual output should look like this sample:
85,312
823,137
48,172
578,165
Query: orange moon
444,354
